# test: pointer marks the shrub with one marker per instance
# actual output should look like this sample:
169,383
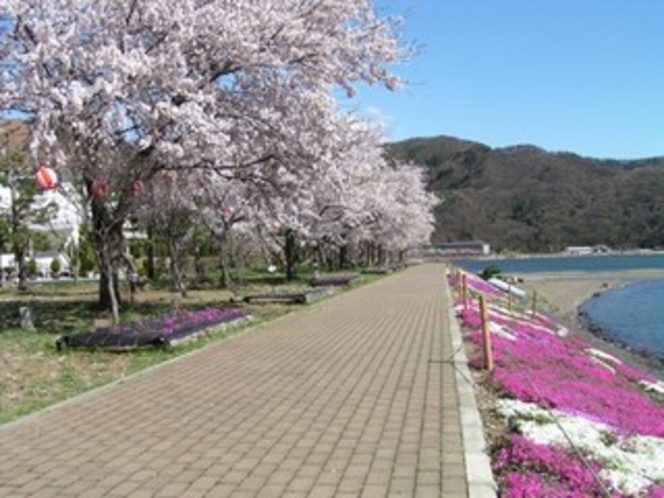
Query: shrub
490,272
32,268
56,266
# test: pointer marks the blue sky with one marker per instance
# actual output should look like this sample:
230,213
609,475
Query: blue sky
584,76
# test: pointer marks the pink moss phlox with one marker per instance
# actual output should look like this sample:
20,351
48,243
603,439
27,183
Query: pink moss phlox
547,371
528,484
179,321
454,279
514,324
542,368
471,318
476,361
477,284
528,469
632,374
558,372
656,491
546,321
199,318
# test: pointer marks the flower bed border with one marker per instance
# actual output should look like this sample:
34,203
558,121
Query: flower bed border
335,280
120,339
300,297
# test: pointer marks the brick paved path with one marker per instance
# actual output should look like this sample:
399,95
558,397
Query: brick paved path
349,397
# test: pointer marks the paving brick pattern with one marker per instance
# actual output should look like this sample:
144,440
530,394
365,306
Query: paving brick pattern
351,397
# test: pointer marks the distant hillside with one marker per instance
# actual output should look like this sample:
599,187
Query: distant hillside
527,199
14,135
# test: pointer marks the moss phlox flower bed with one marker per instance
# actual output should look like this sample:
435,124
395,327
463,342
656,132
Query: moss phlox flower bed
581,421
166,330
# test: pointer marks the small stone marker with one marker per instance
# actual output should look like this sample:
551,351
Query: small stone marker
27,322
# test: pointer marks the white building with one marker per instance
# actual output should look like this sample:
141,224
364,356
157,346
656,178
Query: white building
44,260
67,220
461,248
7,261
587,250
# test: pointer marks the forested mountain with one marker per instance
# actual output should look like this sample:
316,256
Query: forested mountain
527,199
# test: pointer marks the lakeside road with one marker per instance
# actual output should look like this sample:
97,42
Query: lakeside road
561,293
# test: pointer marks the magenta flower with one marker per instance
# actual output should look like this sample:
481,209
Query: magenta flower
531,469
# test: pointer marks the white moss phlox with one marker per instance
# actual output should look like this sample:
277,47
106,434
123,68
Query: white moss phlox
630,464
501,331
602,355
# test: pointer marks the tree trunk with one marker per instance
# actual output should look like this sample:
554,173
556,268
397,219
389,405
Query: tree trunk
319,258
22,268
174,253
199,266
330,258
225,277
373,258
364,255
108,240
343,256
290,253
18,243
149,264
109,291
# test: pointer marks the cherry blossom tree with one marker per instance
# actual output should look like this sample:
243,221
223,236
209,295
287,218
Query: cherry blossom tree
400,209
224,205
348,195
343,194
118,90
171,215
356,196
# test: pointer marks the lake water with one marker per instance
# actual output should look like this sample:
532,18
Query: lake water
632,315
567,263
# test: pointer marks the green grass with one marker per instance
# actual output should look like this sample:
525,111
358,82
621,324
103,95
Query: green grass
34,374
37,375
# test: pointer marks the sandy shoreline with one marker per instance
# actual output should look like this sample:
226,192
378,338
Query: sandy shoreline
562,293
